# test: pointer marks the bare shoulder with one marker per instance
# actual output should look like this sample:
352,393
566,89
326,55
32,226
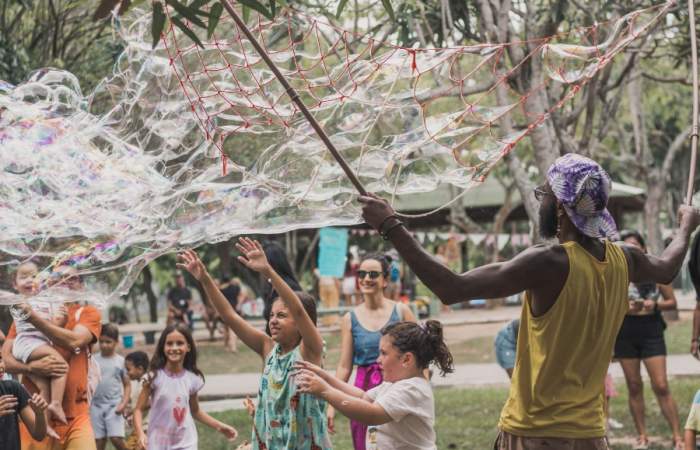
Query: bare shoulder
346,321
405,312
544,255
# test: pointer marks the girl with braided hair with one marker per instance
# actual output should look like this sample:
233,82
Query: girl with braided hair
400,412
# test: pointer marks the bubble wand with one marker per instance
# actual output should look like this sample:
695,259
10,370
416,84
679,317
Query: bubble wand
295,97
694,132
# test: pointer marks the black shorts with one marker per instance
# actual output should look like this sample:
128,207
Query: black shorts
641,337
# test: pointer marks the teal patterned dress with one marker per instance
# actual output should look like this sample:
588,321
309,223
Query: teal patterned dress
285,419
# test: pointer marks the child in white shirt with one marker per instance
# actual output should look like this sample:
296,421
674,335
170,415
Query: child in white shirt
400,412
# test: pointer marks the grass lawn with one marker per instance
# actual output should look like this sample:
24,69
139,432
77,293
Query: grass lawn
678,335
214,359
467,418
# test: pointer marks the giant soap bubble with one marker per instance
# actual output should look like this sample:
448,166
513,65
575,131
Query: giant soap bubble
184,145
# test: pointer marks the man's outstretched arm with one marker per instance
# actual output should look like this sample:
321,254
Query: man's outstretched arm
532,268
663,269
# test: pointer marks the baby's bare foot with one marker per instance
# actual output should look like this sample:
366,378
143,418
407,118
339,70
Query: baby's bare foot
56,411
50,432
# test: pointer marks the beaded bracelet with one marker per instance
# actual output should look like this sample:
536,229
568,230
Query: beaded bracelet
381,225
385,235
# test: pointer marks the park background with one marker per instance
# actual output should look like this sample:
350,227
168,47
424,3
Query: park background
634,118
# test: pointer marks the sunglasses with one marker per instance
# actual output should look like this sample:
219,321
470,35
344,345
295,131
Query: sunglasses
540,192
373,274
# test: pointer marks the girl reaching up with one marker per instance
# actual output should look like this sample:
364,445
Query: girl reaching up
284,418
171,386
400,412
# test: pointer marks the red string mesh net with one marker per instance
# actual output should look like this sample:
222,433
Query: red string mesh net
406,119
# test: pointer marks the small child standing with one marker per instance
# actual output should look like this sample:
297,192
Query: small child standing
172,386
136,366
113,392
15,404
400,412
31,344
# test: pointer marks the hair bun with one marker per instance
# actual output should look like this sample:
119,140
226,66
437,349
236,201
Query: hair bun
434,329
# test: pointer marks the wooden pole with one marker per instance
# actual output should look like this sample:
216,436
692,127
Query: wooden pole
295,97
694,132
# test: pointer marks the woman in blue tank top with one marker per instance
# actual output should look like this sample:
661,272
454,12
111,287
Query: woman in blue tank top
361,332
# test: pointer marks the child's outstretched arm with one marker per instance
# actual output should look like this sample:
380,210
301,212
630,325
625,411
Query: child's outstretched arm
332,381
360,409
257,340
254,258
34,417
141,405
201,416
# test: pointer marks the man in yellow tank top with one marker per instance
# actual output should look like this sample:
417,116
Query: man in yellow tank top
576,299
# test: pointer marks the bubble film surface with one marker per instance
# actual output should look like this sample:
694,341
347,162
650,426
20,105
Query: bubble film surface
184,145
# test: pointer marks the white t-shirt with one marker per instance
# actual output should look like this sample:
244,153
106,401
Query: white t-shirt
170,422
411,405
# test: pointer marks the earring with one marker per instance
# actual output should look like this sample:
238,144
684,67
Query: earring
559,215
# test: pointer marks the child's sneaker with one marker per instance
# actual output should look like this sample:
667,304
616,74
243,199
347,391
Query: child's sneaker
614,424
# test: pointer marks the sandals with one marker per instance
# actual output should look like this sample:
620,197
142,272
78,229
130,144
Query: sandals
678,444
642,443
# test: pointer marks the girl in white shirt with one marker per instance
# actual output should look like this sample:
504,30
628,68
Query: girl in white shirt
400,412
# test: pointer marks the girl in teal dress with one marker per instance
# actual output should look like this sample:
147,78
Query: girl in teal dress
284,418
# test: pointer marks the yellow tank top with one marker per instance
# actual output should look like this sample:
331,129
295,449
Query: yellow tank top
563,356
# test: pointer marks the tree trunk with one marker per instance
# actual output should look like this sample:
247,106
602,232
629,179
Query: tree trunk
309,252
499,219
135,305
656,188
223,250
150,295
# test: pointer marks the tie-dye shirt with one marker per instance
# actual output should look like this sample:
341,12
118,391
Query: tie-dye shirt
285,419
170,422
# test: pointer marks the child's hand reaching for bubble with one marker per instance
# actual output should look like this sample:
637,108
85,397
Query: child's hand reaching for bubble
189,260
253,255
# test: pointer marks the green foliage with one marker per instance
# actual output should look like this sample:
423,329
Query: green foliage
214,16
34,36
158,23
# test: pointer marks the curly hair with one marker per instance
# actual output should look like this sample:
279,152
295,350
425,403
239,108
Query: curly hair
426,342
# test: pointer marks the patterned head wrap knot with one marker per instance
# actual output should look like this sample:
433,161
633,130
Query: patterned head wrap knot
583,187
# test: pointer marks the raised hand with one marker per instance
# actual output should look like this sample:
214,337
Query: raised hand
375,210
689,218
253,256
189,260
38,403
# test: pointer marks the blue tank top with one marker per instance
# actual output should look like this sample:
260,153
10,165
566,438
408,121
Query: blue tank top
366,343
